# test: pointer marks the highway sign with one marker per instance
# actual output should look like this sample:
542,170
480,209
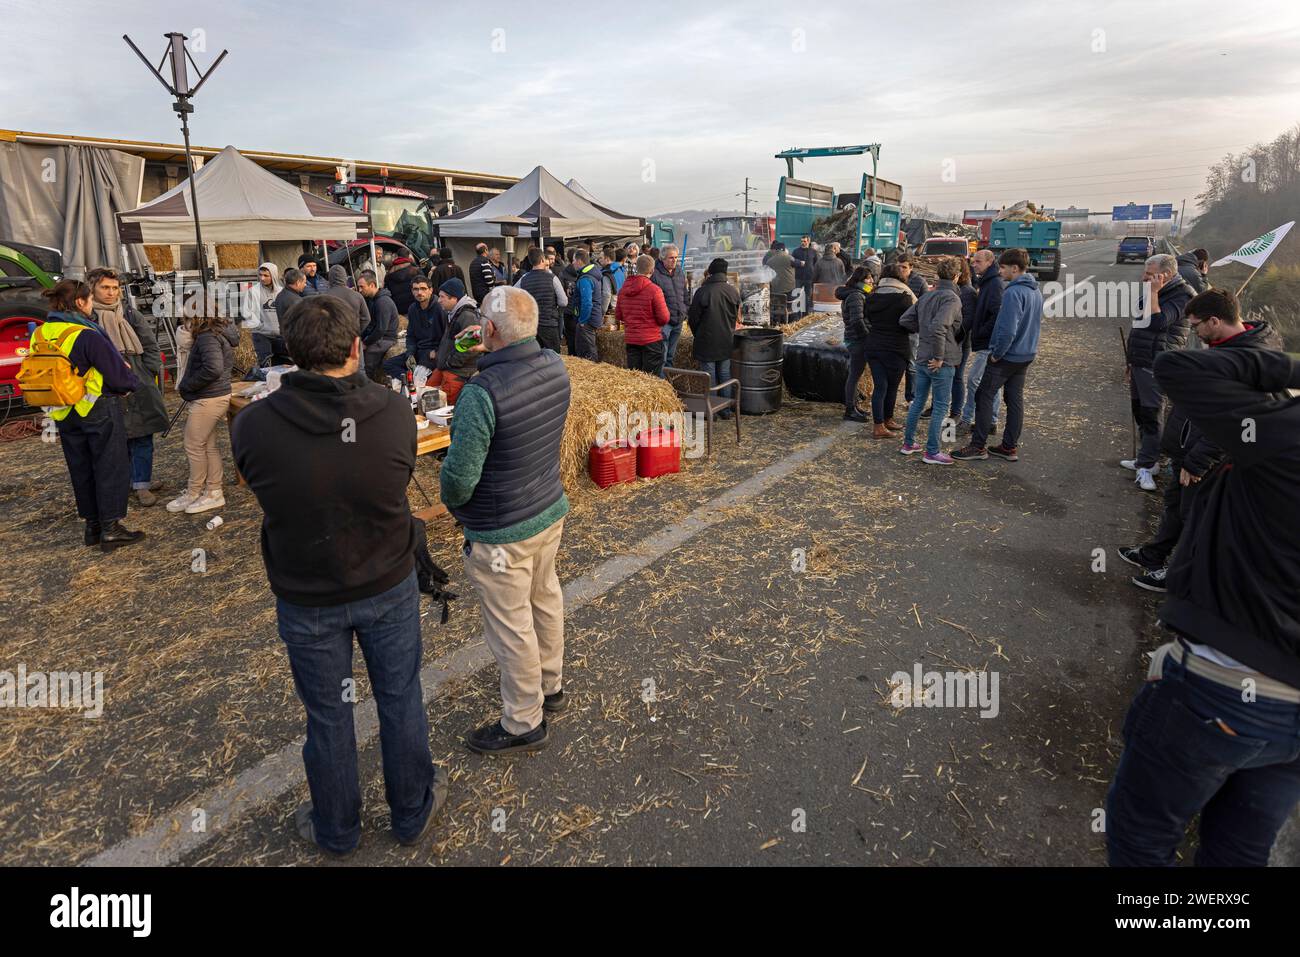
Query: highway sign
1131,211
1162,211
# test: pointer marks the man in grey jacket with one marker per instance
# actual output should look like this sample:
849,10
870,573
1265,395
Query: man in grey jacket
338,277
830,268
380,333
936,318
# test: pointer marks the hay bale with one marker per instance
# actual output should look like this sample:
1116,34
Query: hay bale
610,347
238,256
160,258
245,354
599,387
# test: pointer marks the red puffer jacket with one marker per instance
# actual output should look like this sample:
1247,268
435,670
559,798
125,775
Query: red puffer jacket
642,310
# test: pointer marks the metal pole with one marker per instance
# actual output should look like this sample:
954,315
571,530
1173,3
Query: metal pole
194,202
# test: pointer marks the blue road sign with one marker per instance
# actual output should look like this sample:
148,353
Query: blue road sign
1162,211
1131,211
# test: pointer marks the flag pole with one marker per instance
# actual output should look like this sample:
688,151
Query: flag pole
1250,277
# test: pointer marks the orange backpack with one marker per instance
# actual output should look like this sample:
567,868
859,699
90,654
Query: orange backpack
47,376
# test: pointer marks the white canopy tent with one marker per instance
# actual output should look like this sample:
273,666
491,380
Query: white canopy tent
538,204
582,191
240,202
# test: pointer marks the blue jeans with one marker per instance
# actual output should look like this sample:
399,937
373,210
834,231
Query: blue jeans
141,452
1177,761
671,334
319,642
719,372
978,362
941,383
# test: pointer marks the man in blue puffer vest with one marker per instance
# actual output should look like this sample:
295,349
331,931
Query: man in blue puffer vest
1012,348
501,480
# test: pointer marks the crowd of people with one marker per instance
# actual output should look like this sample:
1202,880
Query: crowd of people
1215,729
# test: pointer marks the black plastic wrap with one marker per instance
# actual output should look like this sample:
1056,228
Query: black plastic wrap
817,362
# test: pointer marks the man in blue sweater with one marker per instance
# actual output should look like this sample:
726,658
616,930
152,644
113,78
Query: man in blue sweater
425,324
1012,348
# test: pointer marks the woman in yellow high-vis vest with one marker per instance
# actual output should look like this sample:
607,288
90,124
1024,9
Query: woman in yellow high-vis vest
92,433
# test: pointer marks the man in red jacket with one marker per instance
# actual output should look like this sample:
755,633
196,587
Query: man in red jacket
643,313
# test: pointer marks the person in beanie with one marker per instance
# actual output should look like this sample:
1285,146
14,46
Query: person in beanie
501,481
853,300
670,277
642,313
781,263
92,433
356,303
316,283
398,282
144,412
339,543
547,290
713,316
456,365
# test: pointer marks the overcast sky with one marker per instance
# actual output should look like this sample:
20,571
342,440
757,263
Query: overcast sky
661,106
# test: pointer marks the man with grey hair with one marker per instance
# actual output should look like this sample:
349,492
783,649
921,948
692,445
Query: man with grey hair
1159,326
670,277
501,481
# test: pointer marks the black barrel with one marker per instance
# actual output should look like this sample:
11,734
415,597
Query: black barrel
756,362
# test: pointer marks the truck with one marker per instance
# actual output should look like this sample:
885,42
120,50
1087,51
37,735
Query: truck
874,215
25,272
1041,239
659,233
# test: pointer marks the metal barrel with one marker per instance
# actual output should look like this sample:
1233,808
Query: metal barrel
756,362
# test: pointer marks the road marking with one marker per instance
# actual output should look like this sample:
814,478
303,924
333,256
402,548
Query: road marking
1068,289
171,837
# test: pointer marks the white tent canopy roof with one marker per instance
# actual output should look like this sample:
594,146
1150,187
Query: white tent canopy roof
542,202
239,202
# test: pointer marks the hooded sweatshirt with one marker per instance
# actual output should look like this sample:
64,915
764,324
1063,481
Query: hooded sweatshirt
261,315
936,318
336,525
338,278
1020,318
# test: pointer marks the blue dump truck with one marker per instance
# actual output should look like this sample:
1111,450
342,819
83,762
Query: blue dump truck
876,214
1042,240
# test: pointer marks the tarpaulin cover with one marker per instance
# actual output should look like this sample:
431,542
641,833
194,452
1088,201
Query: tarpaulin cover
817,361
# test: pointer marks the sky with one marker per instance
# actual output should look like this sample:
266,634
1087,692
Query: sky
656,107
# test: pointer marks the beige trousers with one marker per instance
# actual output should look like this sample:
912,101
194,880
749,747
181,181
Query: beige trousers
201,443
523,620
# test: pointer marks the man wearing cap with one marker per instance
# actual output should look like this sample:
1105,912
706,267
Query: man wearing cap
713,316
456,367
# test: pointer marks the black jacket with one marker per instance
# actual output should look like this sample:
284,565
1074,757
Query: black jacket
712,318
805,261
1166,329
1195,278
853,308
673,286
336,525
382,329
207,374
355,302
988,300
285,302
398,283
882,310
144,410
481,277
1232,583
446,269
463,315
424,330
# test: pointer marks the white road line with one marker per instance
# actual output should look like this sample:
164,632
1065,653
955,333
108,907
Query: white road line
171,836
1067,290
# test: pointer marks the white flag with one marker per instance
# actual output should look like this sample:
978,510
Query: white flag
1256,251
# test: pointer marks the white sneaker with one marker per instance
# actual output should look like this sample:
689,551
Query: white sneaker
1144,479
208,501
1130,464
181,502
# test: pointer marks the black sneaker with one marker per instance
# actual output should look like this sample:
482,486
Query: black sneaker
855,416
115,535
970,453
307,831
1154,580
554,703
93,531
1002,452
927,413
1133,555
494,739
440,778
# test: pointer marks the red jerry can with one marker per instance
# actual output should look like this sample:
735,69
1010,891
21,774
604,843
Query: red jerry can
658,452
609,463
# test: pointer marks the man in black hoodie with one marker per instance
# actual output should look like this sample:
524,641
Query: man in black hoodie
380,333
329,456
1213,729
